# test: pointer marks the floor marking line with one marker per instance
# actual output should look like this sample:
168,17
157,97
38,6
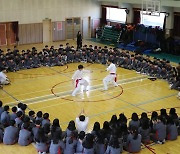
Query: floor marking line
50,95
75,101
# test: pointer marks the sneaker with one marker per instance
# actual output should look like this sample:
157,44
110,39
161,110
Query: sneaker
163,141
159,142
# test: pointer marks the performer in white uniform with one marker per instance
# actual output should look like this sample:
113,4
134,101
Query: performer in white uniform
78,80
4,79
112,77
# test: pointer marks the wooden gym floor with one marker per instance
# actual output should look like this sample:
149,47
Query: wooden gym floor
49,89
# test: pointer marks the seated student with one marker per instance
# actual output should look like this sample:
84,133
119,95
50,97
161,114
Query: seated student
32,116
114,146
57,145
5,117
144,116
19,120
3,78
10,134
25,136
19,107
39,116
113,122
12,67
145,130
55,126
79,147
71,127
172,131
45,119
1,134
174,116
41,141
13,115
1,108
134,121
35,129
106,129
154,117
23,108
88,144
71,143
160,130
82,122
96,129
100,142
134,141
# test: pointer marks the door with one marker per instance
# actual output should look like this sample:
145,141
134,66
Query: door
69,29
86,27
3,40
73,25
47,31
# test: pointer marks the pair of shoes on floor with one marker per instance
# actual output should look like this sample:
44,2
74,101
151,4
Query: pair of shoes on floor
161,142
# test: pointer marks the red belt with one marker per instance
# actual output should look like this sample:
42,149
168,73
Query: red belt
77,81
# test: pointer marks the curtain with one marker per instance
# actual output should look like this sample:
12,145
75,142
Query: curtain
103,16
15,30
137,17
177,24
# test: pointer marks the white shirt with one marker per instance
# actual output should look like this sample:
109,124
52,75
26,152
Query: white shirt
112,68
3,77
82,125
79,74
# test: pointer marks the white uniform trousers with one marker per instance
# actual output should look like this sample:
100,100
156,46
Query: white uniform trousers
80,82
109,78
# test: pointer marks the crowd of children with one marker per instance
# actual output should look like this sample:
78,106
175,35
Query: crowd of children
115,136
14,60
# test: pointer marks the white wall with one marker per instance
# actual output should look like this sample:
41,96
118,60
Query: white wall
34,11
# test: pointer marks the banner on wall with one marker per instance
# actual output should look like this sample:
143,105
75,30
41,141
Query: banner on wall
96,23
59,26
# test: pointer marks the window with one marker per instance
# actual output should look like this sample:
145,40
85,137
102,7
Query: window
152,20
116,15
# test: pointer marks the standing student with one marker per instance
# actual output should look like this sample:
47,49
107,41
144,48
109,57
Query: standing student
78,80
79,40
112,77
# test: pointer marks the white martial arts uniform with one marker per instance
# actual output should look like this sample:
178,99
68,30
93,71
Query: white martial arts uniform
111,77
78,78
3,79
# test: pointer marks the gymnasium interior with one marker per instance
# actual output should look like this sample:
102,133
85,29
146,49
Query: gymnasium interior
123,30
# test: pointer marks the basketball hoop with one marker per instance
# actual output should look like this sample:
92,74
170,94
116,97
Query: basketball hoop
151,7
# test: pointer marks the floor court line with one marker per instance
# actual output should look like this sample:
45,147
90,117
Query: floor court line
67,95
86,102
119,82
